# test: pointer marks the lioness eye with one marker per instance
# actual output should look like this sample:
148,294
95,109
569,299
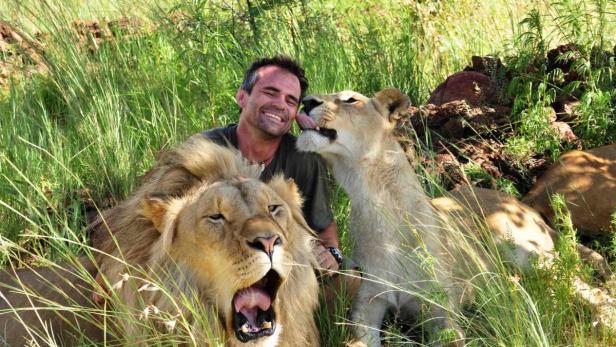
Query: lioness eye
351,101
216,218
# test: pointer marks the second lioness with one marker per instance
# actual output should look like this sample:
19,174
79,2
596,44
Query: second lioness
407,253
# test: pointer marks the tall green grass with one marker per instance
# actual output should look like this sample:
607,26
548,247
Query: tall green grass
86,130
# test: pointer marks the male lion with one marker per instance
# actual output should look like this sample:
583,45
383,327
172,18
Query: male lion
204,241
408,255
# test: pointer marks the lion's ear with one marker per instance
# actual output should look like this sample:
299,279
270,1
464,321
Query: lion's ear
394,102
287,190
154,208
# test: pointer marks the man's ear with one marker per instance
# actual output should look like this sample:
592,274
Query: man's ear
241,97
393,101
154,208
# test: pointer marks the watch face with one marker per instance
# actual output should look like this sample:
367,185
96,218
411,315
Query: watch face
336,253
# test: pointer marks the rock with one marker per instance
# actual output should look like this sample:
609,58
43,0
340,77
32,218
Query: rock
6,32
564,132
587,179
488,65
563,57
550,113
4,48
566,110
453,128
457,119
472,87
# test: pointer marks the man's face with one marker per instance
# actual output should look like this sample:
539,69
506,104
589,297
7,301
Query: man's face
272,106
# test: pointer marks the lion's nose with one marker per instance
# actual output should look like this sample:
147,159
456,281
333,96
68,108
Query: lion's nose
310,103
266,244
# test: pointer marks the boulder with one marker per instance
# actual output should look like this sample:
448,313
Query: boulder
587,179
566,110
473,87
564,132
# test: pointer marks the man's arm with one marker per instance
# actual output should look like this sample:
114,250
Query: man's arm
329,236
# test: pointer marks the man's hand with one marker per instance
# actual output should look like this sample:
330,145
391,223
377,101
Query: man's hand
326,259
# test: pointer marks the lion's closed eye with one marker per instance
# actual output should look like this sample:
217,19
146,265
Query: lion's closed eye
215,218
275,210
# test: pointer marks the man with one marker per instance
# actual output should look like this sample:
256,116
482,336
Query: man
269,99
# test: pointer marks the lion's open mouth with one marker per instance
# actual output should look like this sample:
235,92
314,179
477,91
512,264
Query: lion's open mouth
331,134
253,308
306,123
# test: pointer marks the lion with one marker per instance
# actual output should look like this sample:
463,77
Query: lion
408,253
49,305
587,180
204,241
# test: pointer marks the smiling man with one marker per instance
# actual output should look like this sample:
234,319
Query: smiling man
269,99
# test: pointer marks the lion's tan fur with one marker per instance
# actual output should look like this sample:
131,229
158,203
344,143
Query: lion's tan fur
156,229
399,239
48,305
587,180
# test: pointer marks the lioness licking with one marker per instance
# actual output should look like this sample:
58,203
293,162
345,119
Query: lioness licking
404,248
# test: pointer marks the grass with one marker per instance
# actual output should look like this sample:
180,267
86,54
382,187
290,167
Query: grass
78,137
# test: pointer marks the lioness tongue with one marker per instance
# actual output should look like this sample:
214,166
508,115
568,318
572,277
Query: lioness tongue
248,300
305,121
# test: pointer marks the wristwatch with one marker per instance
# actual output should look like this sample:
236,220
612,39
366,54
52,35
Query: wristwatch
336,253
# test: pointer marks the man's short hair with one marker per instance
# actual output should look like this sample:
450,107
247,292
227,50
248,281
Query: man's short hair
251,76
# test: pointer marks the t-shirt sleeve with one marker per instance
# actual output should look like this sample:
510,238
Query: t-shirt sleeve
311,178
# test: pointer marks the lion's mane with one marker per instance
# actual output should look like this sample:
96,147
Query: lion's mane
129,233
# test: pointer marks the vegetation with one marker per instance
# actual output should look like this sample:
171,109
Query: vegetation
76,137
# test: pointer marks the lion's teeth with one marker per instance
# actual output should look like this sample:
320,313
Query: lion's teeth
245,328
266,325
318,128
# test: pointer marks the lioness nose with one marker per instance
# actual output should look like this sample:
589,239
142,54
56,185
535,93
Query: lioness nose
266,244
310,103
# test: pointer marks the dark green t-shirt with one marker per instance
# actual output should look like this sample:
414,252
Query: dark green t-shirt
308,170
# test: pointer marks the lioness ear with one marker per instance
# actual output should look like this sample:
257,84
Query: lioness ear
155,208
394,101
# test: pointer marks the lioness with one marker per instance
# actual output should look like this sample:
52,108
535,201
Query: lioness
208,243
587,180
49,306
399,241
